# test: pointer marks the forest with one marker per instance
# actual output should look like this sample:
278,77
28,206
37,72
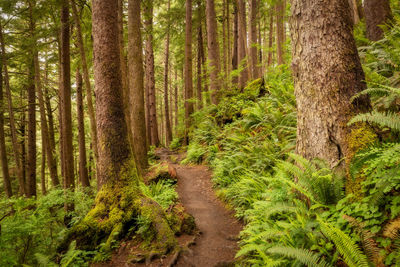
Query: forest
200,133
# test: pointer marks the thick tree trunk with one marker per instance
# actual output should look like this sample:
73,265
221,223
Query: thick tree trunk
377,13
14,138
83,171
188,70
242,44
279,10
150,78
3,152
86,78
253,39
69,181
136,84
327,73
168,130
354,11
213,51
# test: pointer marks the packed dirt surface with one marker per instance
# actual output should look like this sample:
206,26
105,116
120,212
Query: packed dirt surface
216,242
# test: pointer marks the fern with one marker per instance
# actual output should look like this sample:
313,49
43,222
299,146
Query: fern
351,253
388,119
304,256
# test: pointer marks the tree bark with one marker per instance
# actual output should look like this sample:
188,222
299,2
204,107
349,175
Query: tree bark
279,10
136,84
213,51
188,70
242,44
377,13
150,78
86,78
327,73
3,152
235,41
270,38
253,39
83,171
354,11
176,102
69,181
14,138
199,68
168,131
31,170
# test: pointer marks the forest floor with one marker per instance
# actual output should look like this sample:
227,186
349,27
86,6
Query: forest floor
218,230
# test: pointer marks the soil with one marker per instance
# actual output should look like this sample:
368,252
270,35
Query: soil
216,241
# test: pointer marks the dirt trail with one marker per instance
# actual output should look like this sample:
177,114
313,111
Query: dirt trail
217,245
219,230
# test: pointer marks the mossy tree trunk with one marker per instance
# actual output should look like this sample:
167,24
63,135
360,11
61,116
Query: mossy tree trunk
119,201
188,70
327,73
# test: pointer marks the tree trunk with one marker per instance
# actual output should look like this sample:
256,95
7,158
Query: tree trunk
354,11
31,170
213,51
86,78
270,38
242,44
279,10
14,138
3,152
150,78
377,13
229,46
199,68
69,182
83,171
168,131
327,73
253,39
176,102
119,200
188,70
235,51
43,169
136,84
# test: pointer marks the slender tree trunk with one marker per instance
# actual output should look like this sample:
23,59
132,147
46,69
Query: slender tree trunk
377,13
86,79
354,11
270,38
199,67
188,70
242,44
224,68
253,39
51,162
229,46
14,138
176,102
3,152
83,171
235,63
31,170
279,10
150,83
327,73
136,84
69,181
213,51
168,131
43,169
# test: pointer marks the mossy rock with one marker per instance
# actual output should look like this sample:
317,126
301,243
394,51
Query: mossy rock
180,221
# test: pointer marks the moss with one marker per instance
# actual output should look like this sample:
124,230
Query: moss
118,205
360,137
180,221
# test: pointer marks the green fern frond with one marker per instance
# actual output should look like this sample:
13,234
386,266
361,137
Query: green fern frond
389,119
351,253
304,256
